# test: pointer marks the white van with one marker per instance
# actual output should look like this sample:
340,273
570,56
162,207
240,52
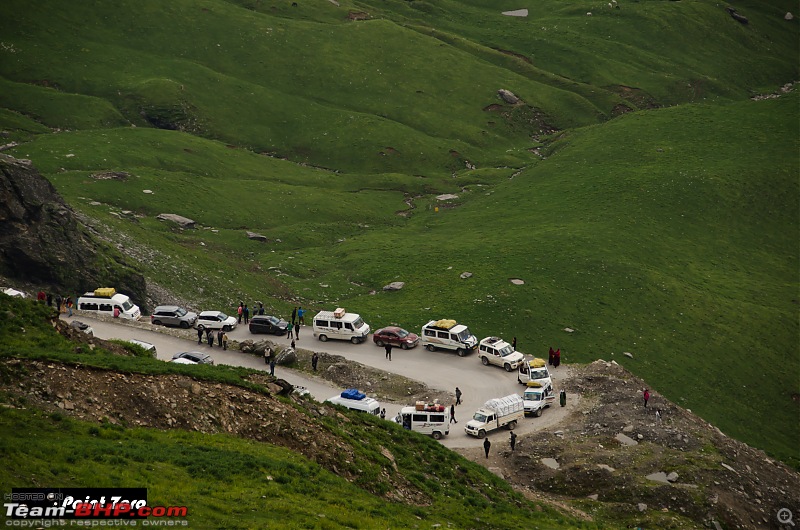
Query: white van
104,301
340,325
434,421
355,400
448,335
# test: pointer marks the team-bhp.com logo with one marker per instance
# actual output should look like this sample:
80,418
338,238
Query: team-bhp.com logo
84,503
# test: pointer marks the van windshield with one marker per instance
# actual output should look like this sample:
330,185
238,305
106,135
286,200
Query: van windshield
127,305
538,374
533,396
358,323
464,335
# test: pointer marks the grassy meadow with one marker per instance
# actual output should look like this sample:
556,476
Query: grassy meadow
669,232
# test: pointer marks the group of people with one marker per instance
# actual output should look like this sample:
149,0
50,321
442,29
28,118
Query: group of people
555,357
63,304
222,337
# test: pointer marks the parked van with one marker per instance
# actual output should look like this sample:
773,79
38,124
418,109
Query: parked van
448,335
425,420
340,325
534,370
104,301
353,399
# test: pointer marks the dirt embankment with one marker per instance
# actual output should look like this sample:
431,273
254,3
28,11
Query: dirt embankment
614,455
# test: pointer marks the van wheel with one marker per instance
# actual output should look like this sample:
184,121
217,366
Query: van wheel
184,325
460,352
485,361
405,346
355,340
430,347
379,343
323,338
512,425
538,413
226,328
481,434
437,435
507,367
157,322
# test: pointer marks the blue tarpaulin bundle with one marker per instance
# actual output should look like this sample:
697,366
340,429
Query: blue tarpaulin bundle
353,393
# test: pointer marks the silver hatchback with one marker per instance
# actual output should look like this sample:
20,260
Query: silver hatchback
172,315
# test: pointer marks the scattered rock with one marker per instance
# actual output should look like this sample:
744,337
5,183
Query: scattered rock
508,96
516,13
465,275
183,222
517,281
606,467
394,286
286,357
256,237
147,191
642,507
593,496
446,197
625,440
569,330
672,477
627,354
552,463
497,471
658,477
627,428
788,16
111,175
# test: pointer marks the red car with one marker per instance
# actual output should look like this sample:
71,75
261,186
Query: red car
396,337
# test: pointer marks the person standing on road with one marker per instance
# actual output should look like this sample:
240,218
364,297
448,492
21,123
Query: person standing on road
220,333
383,414
458,396
646,396
562,397
453,414
272,366
314,361
289,329
550,356
557,358
294,315
69,305
301,316
224,341
513,440
240,310
246,312
210,337
199,335
486,446
514,344
388,348
297,331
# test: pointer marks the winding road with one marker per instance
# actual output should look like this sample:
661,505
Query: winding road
440,370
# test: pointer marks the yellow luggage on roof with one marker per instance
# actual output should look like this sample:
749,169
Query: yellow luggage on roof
536,384
107,292
445,323
536,363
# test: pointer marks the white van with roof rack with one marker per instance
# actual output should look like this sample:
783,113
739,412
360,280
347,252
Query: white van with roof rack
107,301
340,325
447,334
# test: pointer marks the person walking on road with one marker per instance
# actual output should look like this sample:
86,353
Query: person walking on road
388,348
453,414
272,366
294,315
646,396
458,396
486,446
199,335
297,331
314,361
513,440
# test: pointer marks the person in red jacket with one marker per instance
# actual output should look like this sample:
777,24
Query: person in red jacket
646,396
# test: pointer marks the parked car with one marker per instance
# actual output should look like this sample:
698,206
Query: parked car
396,337
268,324
215,320
196,356
183,360
172,315
80,326
149,347
494,350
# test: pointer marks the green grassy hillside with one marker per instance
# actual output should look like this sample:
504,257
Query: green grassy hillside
670,233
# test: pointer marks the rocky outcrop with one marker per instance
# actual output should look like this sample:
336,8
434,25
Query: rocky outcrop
42,244
183,222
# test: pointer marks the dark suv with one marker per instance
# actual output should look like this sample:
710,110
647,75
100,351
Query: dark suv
172,315
268,324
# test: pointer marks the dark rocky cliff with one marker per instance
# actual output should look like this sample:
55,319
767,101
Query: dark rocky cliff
43,245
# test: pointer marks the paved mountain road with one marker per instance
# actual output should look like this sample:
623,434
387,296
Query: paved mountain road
439,370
